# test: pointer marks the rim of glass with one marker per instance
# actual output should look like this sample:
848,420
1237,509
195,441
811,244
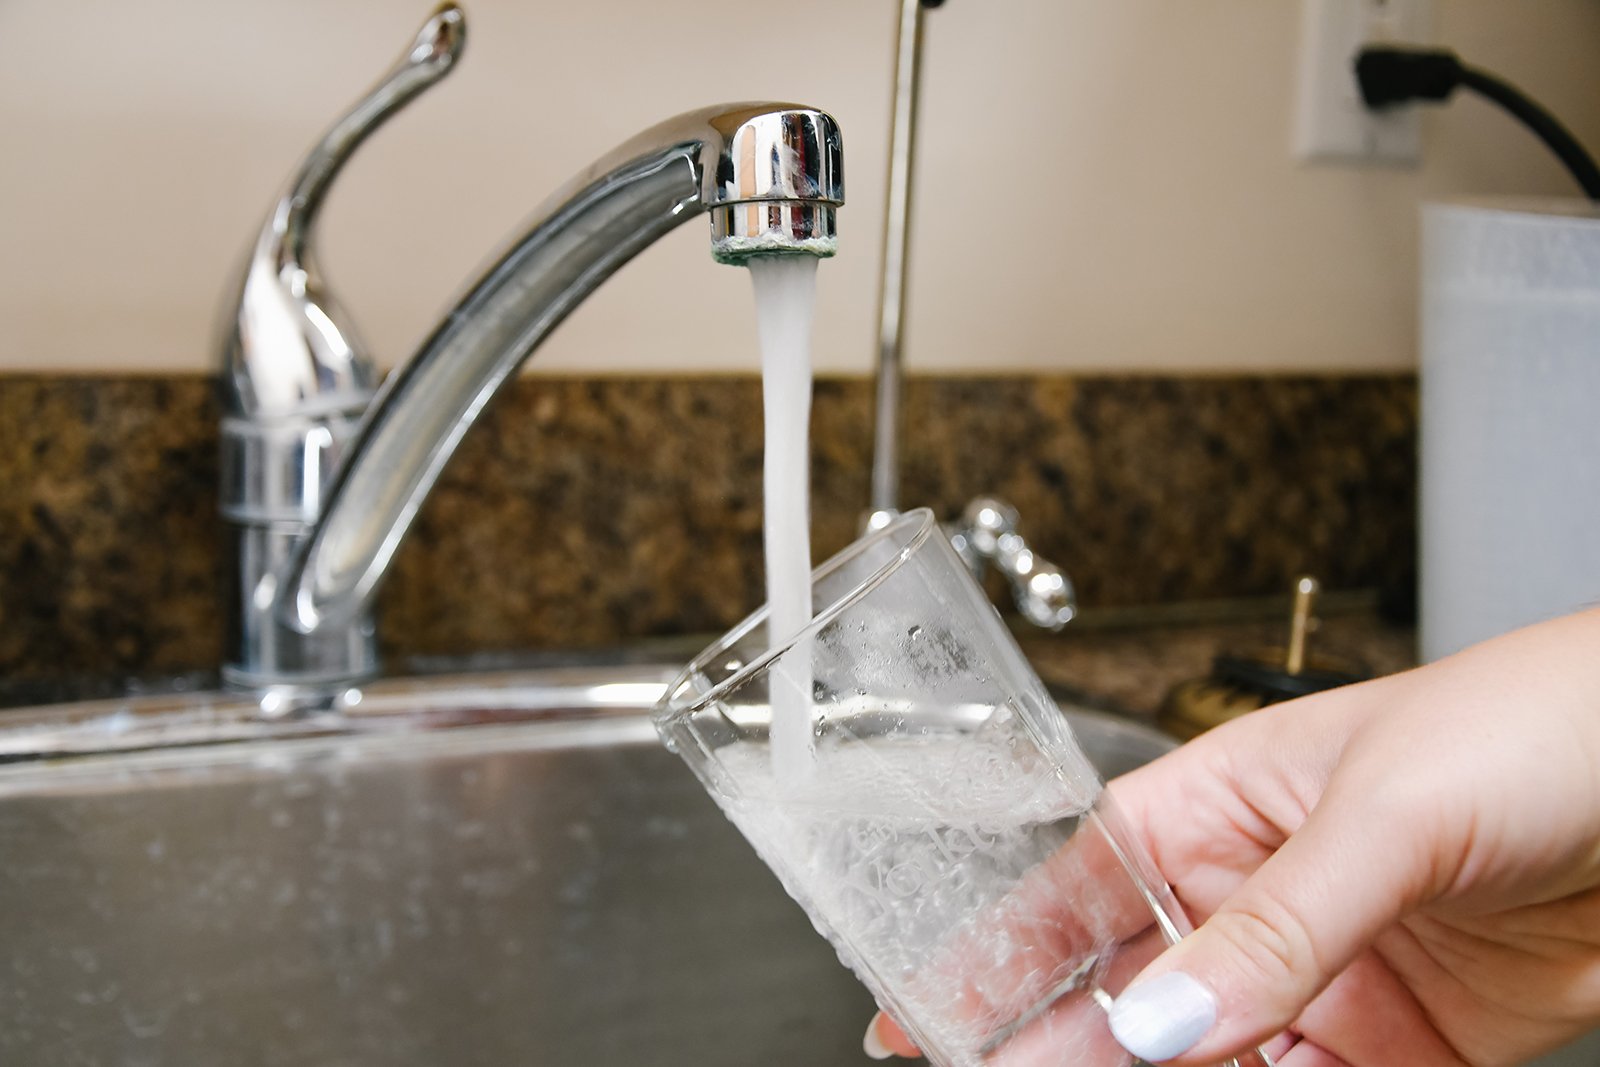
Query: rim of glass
921,520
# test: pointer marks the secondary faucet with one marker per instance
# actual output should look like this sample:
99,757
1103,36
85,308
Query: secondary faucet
323,472
986,534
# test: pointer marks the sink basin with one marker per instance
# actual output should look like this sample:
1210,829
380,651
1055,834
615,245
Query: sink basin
499,868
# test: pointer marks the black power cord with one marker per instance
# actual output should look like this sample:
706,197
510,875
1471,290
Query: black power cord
1393,76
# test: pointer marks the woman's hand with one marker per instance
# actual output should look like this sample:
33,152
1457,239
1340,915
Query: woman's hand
1405,871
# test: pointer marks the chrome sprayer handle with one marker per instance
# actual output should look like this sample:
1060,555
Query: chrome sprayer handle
986,536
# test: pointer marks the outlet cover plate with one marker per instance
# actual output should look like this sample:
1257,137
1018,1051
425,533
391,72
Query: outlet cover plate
1331,123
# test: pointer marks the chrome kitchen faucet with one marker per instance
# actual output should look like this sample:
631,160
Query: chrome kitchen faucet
323,472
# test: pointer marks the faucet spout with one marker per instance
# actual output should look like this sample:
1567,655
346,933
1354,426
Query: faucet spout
769,175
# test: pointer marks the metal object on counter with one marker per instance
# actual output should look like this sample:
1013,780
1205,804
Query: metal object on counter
496,868
986,536
1306,589
323,478
1242,683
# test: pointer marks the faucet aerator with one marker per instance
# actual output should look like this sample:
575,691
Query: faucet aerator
742,232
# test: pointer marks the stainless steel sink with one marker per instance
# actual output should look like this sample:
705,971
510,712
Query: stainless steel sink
486,869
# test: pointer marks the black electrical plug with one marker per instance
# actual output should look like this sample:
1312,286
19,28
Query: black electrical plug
1390,77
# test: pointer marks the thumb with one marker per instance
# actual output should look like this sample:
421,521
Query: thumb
1278,941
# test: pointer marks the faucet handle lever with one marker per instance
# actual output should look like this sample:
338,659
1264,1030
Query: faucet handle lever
987,535
429,58
288,350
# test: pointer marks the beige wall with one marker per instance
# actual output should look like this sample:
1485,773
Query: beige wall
1104,184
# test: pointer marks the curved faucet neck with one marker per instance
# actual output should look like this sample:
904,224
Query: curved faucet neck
611,212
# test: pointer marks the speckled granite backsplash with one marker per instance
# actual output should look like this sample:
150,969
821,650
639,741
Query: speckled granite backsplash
585,511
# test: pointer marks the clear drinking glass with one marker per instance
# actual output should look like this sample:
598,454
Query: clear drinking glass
903,771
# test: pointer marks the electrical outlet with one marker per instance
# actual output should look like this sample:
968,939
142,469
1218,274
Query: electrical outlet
1331,123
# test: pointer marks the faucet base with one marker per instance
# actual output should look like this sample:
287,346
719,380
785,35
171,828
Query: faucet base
268,653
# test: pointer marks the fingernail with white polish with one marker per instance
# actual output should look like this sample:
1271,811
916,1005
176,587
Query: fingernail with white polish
1163,1017
872,1044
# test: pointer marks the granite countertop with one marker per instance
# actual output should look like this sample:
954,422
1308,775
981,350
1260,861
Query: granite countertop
587,512
1130,661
